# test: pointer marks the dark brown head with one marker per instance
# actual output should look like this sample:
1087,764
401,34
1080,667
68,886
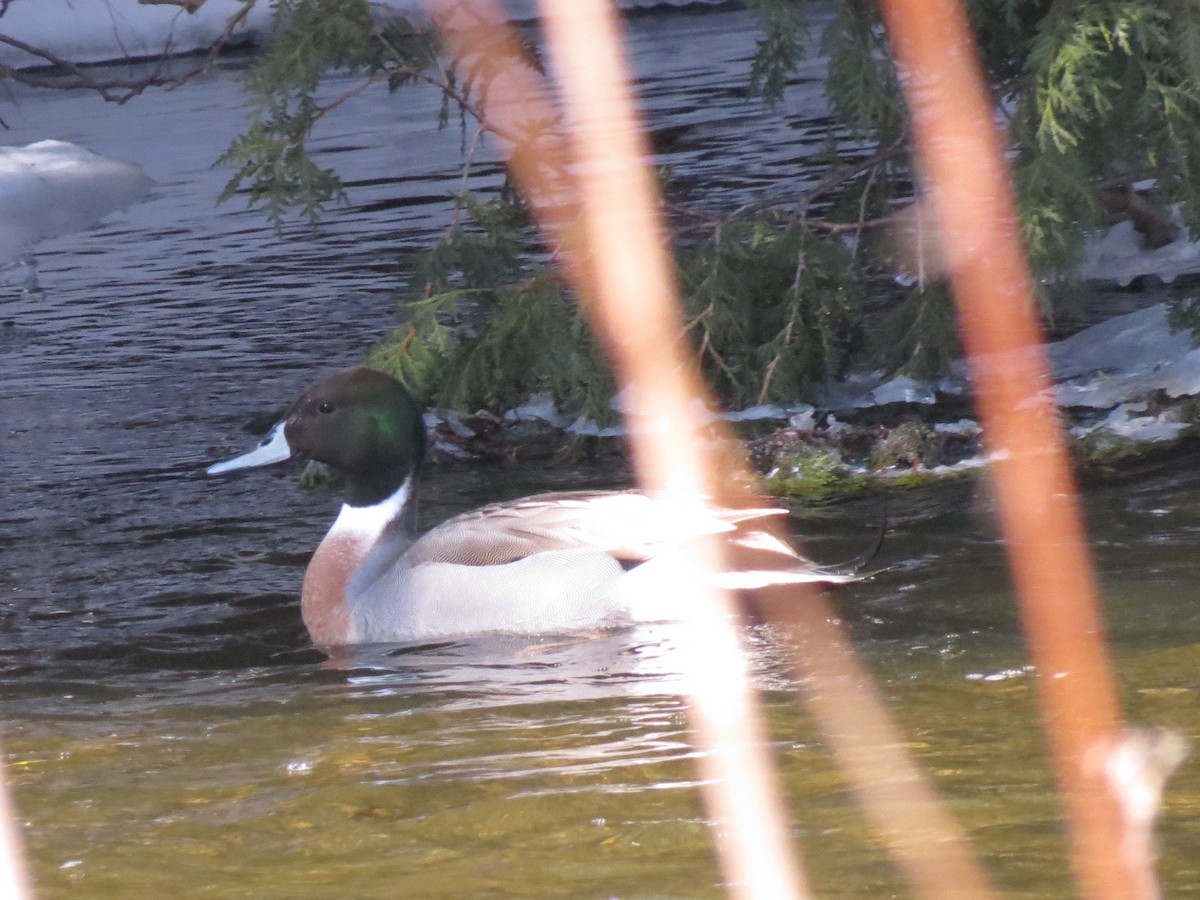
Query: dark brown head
358,421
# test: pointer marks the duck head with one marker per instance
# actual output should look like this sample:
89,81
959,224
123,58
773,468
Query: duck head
359,422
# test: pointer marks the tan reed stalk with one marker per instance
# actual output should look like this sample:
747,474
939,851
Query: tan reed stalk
14,873
960,152
924,841
635,309
611,245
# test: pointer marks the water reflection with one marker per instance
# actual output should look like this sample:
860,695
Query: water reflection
494,670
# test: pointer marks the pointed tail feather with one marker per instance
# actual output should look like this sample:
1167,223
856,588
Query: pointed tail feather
763,559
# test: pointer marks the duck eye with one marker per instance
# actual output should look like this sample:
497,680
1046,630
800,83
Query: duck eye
326,407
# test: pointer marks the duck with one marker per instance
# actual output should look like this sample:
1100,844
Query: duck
549,563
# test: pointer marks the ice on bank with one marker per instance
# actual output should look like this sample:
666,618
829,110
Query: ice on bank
96,31
52,188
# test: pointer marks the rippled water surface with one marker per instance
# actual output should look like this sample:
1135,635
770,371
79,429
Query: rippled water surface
170,732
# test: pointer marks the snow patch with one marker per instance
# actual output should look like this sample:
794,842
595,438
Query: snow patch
964,427
52,188
900,389
1123,359
116,29
1116,254
1125,422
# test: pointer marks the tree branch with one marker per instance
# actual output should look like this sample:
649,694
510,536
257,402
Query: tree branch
188,5
73,76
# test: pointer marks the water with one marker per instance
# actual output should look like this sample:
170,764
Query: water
170,732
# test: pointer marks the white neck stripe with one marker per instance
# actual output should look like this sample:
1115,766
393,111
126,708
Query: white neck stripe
370,521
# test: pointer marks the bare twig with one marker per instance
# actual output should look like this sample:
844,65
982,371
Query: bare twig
826,185
72,76
188,5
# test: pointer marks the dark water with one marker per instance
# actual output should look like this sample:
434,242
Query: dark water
170,732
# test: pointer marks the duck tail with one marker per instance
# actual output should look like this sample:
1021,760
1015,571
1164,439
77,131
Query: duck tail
858,564
764,559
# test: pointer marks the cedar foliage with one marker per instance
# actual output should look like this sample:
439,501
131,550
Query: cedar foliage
1094,96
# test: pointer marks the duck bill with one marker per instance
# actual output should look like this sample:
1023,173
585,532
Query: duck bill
273,448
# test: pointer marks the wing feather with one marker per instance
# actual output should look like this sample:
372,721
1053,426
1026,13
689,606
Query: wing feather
628,525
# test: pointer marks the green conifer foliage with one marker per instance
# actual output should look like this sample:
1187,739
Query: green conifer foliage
1092,96
308,40
771,306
